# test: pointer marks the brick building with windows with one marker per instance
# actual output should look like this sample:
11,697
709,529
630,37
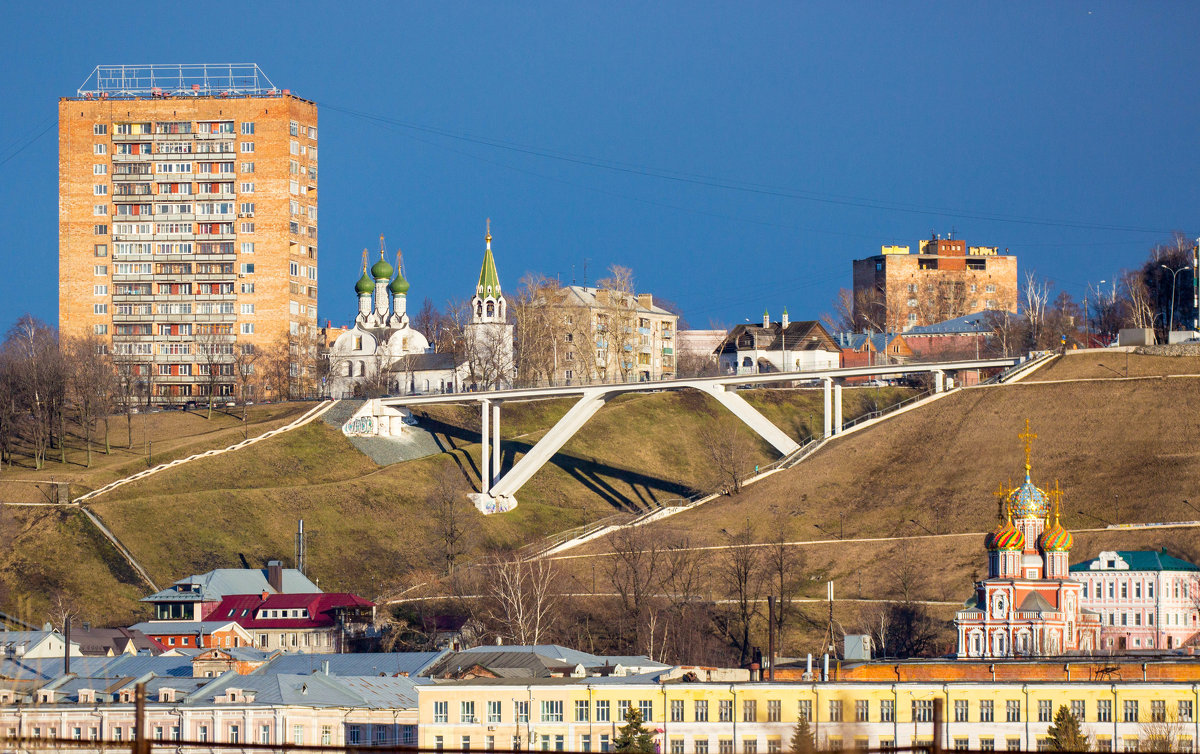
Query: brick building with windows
896,290
1146,599
188,222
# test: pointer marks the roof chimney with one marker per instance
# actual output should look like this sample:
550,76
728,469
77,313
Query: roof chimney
275,576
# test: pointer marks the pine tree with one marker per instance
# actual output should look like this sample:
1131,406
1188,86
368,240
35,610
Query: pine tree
632,737
1066,733
802,737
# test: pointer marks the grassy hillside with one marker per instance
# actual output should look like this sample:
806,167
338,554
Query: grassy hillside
372,527
1122,451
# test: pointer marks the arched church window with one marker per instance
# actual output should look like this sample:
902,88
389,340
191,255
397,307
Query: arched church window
478,308
349,369
747,362
491,308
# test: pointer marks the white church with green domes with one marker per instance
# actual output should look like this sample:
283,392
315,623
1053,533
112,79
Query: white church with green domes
383,355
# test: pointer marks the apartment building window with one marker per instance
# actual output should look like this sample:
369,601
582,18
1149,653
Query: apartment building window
235,735
1185,710
725,746
603,714
700,746
246,208
521,710
1104,711
1012,744
581,710
750,746
646,707
247,147
203,733
247,268
987,710
862,711
1079,710
887,711
247,308
1012,711
1045,711
247,228
835,710
247,167
100,168
725,711
774,711
922,710
298,735
676,746
466,712
100,329
100,210
441,712
100,189
1131,710
962,744
294,147
100,129
961,713
991,289
1158,711
677,711
248,128
749,710
701,709
100,230
99,308
99,290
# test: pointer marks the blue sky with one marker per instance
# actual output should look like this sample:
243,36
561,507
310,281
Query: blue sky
736,156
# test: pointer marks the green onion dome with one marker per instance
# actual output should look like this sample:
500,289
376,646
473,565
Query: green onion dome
399,286
381,270
365,285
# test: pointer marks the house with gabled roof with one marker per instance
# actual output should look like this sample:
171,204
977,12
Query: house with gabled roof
782,346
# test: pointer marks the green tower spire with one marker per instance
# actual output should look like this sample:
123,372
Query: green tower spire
489,279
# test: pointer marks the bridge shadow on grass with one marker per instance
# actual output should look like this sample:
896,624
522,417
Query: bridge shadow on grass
624,489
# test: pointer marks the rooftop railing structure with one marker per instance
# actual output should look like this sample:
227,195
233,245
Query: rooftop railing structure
177,80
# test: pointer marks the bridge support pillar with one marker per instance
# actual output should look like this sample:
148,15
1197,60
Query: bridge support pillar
495,441
828,407
485,456
837,408
939,381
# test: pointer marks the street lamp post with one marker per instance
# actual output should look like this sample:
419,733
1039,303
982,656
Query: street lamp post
1174,273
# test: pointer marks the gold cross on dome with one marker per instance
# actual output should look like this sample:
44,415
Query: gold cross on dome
1001,494
1027,437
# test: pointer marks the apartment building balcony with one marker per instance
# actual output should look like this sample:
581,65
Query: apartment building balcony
215,236
117,157
203,197
135,177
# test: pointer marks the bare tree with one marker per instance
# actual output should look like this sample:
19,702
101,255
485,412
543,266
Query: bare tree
522,600
90,381
618,307
40,381
1036,297
451,515
742,577
215,354
1137,294
537,327
245,357
1164,732
633,569
729,451
784,566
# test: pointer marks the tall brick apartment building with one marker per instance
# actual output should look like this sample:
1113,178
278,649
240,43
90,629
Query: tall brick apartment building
898,290
188,220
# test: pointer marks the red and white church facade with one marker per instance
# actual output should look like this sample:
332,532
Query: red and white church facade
1028,605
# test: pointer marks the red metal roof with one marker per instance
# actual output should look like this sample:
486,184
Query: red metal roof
245,608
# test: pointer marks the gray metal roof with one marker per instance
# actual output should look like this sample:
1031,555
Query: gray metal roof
218,583
372,664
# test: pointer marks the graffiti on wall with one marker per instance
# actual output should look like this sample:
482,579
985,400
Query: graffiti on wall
359,426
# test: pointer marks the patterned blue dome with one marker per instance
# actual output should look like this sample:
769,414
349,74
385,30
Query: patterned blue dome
1028,501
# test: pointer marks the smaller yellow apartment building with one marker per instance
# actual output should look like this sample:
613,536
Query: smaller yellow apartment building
584,714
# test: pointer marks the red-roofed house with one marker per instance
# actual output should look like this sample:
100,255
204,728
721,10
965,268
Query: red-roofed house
310,623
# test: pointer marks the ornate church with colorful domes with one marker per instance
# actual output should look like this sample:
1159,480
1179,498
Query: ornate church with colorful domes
383,349
1028,605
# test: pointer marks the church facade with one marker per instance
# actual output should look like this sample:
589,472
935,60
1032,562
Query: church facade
1028,605
382,354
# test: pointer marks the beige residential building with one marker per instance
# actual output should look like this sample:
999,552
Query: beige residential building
188,221
602,335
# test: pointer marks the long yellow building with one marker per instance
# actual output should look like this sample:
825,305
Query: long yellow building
584,714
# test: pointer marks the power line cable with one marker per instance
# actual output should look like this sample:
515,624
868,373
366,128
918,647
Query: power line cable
741,186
